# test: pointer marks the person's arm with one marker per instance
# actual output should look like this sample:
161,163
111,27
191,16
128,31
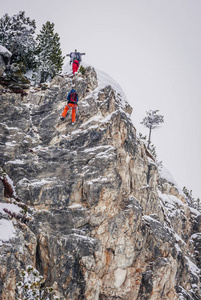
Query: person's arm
71,57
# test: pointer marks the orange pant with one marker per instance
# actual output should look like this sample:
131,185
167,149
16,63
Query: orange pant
66,109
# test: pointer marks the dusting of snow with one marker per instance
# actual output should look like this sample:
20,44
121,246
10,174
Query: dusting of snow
196,236
97,119
165,174
4,51
104,80
9,128
149,218
10,206
171,201
97,180
106,147
82,237
15,162
40,182
94,118
194,211
178,249
178,239
104,155
76,206
7,230
193,268
10,144
9,180
36,182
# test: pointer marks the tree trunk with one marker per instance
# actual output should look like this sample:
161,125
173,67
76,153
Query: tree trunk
149,139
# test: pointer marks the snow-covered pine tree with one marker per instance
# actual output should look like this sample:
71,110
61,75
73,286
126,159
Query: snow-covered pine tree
49,53
152,121
192,202
17,35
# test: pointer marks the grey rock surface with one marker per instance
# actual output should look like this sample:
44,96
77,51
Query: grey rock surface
95,226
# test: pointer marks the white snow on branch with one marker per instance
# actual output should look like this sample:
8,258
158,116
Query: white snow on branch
4,51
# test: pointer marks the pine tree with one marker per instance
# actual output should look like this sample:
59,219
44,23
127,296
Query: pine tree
49,53
17,35
192,202
152,121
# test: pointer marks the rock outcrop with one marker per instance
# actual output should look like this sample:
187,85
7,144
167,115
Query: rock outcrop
85,205
5,56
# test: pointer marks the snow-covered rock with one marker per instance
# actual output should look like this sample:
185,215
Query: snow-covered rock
5,52
5,55
103,222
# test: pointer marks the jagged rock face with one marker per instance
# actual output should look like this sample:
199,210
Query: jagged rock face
100,223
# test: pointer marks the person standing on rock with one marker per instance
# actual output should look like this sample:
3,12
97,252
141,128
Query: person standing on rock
75,65
72,99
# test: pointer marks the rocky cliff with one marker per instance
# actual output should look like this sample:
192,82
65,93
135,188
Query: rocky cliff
86,205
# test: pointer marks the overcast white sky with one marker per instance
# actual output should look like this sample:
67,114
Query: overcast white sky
152,48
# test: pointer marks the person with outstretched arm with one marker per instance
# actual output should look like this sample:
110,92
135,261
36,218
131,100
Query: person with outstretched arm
75,55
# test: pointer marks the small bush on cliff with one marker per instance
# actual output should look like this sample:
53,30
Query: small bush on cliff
192,202
30,286
82,70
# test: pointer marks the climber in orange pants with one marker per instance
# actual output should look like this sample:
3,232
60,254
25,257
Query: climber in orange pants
66,109
72,103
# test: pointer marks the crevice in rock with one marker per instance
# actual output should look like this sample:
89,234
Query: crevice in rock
39,265
78,277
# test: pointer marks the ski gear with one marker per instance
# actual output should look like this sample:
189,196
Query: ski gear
62,118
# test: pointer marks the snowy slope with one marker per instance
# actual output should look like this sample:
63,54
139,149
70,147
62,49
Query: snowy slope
103,79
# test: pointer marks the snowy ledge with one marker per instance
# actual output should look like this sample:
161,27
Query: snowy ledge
104,80
7,230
